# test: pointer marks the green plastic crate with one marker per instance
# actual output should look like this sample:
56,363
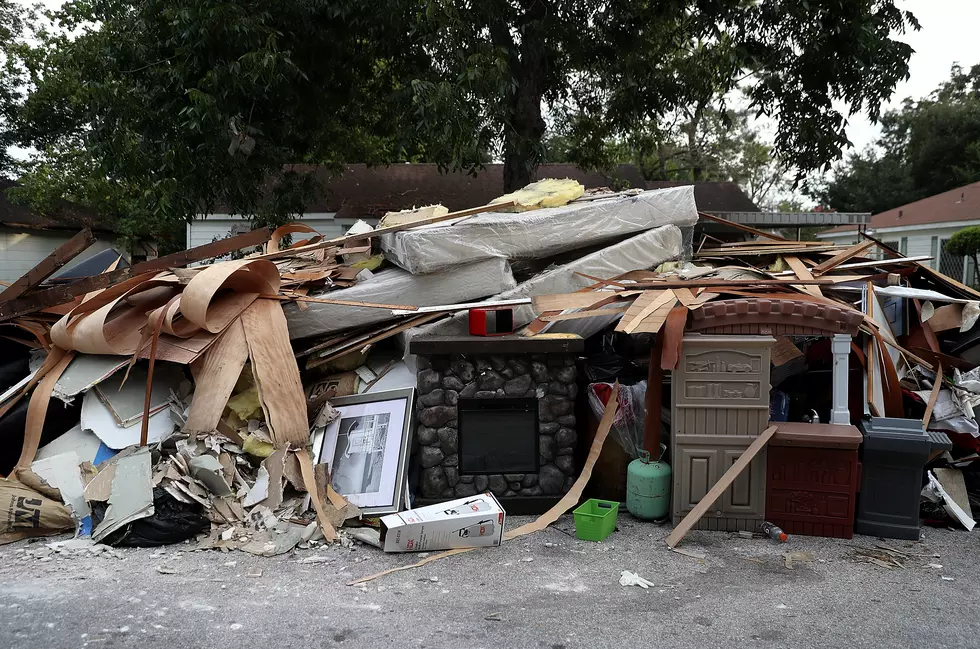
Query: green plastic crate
595,519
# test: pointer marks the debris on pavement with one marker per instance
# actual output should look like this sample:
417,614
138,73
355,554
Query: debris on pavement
627,578
407,385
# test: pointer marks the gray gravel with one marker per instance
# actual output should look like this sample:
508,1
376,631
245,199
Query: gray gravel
543,590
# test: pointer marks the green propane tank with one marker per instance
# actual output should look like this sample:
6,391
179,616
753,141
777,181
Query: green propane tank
648,488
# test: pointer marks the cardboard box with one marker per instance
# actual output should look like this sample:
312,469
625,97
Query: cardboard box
473,522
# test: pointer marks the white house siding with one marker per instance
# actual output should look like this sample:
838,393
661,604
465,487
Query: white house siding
919,241
205,229
21,250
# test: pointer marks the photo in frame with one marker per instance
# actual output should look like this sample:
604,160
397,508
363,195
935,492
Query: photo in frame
367,447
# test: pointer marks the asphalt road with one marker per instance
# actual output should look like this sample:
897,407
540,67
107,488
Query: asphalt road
544,590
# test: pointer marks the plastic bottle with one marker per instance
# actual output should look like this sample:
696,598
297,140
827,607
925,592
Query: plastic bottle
774,532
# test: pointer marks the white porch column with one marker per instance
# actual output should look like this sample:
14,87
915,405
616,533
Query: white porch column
841,347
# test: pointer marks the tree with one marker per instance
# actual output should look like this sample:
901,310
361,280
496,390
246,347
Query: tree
14,21
711,145
604,69
927,147
181,106
966,243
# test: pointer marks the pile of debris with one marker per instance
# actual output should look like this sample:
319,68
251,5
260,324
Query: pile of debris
165,401
188,397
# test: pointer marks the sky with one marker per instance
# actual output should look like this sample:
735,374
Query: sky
950,34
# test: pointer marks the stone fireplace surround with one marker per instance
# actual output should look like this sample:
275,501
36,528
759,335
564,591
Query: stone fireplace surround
451,368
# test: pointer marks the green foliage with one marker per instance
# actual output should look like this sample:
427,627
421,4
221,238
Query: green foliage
966,242
170,108
14,21
926,147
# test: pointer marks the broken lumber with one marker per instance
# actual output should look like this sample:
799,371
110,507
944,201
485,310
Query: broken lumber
723,483
49,265
63,294
841,257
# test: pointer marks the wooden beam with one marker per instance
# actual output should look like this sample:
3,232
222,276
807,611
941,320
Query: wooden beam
719,281
803,273
841,257
473,211
49,265
724,483
64,293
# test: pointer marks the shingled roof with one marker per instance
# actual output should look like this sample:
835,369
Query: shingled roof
365,192
67,216
955,205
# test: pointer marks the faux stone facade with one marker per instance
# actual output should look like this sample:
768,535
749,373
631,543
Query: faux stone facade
444,379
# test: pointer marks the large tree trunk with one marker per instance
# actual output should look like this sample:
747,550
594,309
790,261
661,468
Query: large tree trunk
522,138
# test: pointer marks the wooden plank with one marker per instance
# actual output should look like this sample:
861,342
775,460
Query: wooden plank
369,339
866,264
802,272
49,265
933,397
739,226
473,211
841,257
276,374
323,300
578,315
644,305
66,292
704,283
222,365
719,488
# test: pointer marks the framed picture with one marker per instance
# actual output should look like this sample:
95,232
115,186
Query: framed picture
367,448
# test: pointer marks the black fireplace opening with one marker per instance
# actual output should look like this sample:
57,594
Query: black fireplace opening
498,435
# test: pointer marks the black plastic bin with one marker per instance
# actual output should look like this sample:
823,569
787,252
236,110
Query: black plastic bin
893,455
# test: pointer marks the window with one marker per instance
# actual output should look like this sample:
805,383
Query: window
903,245
894,245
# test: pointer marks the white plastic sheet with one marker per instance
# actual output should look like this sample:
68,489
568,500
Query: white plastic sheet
539,233
395,286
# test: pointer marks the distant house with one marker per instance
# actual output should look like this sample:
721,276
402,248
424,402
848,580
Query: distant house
363,192
27,237
922,228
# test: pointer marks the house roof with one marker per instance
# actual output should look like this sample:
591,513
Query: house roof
67,216
369,192
960,204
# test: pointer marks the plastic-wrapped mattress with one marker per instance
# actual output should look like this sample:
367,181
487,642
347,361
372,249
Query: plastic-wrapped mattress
395,286
538,233
643,251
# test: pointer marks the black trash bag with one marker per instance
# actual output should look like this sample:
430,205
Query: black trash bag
608,357
172,522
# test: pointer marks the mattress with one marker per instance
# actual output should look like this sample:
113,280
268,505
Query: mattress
395,286
538,233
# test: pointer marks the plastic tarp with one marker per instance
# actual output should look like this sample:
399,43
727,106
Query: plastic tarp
396,286
538,233
643,251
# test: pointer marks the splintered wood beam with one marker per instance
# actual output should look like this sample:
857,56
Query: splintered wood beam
841,257
64,293
803,273
49,265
